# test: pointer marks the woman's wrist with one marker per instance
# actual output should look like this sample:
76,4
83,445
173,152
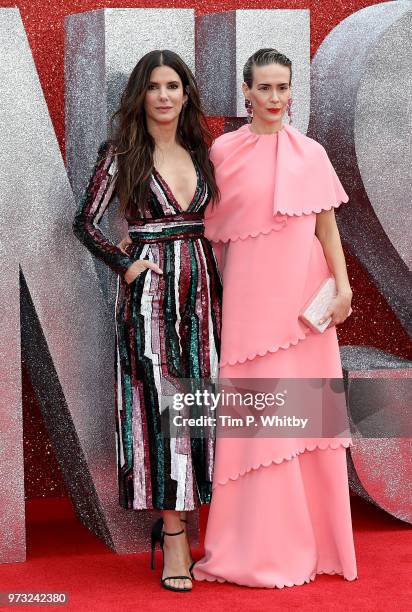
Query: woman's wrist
345,292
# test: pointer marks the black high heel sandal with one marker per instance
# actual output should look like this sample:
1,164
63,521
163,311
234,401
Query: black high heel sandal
158,535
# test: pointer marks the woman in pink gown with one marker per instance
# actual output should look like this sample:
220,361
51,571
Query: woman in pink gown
280,511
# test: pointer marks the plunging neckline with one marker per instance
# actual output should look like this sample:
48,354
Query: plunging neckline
171,194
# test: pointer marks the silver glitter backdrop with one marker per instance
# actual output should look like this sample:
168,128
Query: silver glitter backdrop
67,331
378,387
224,41
12,191
361,112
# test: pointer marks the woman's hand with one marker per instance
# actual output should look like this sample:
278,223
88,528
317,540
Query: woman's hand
339,309
138,267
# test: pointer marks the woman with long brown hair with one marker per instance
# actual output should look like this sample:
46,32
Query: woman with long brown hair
168,304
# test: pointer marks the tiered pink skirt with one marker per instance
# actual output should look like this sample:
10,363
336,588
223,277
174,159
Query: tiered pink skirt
280,511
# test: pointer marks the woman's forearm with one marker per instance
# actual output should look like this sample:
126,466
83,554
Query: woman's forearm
332,247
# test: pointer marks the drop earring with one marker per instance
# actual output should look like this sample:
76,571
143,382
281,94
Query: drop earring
289,109
249,110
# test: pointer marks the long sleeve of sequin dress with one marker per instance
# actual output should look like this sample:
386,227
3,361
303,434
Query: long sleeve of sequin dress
94,203
167,327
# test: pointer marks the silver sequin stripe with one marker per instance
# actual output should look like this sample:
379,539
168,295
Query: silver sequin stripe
160,227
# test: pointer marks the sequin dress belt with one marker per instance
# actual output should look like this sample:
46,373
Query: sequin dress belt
167,230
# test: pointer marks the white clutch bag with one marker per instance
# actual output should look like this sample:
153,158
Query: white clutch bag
318,304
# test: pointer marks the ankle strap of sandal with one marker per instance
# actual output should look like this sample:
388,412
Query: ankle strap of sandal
172,534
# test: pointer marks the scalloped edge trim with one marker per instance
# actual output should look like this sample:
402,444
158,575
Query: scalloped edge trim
265,232
314,210
263,352
282,459
287,584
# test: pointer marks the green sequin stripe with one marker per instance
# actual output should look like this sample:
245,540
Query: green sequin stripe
194,358
173,356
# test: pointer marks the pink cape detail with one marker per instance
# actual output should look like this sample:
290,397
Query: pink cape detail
303,181
271,187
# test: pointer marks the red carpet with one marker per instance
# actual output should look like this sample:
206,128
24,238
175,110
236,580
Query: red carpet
64,556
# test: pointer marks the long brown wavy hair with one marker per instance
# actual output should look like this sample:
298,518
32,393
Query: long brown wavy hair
135,146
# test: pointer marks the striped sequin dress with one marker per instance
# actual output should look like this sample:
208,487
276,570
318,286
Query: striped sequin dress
167,327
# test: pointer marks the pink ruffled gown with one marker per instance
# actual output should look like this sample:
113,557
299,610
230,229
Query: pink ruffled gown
280,511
